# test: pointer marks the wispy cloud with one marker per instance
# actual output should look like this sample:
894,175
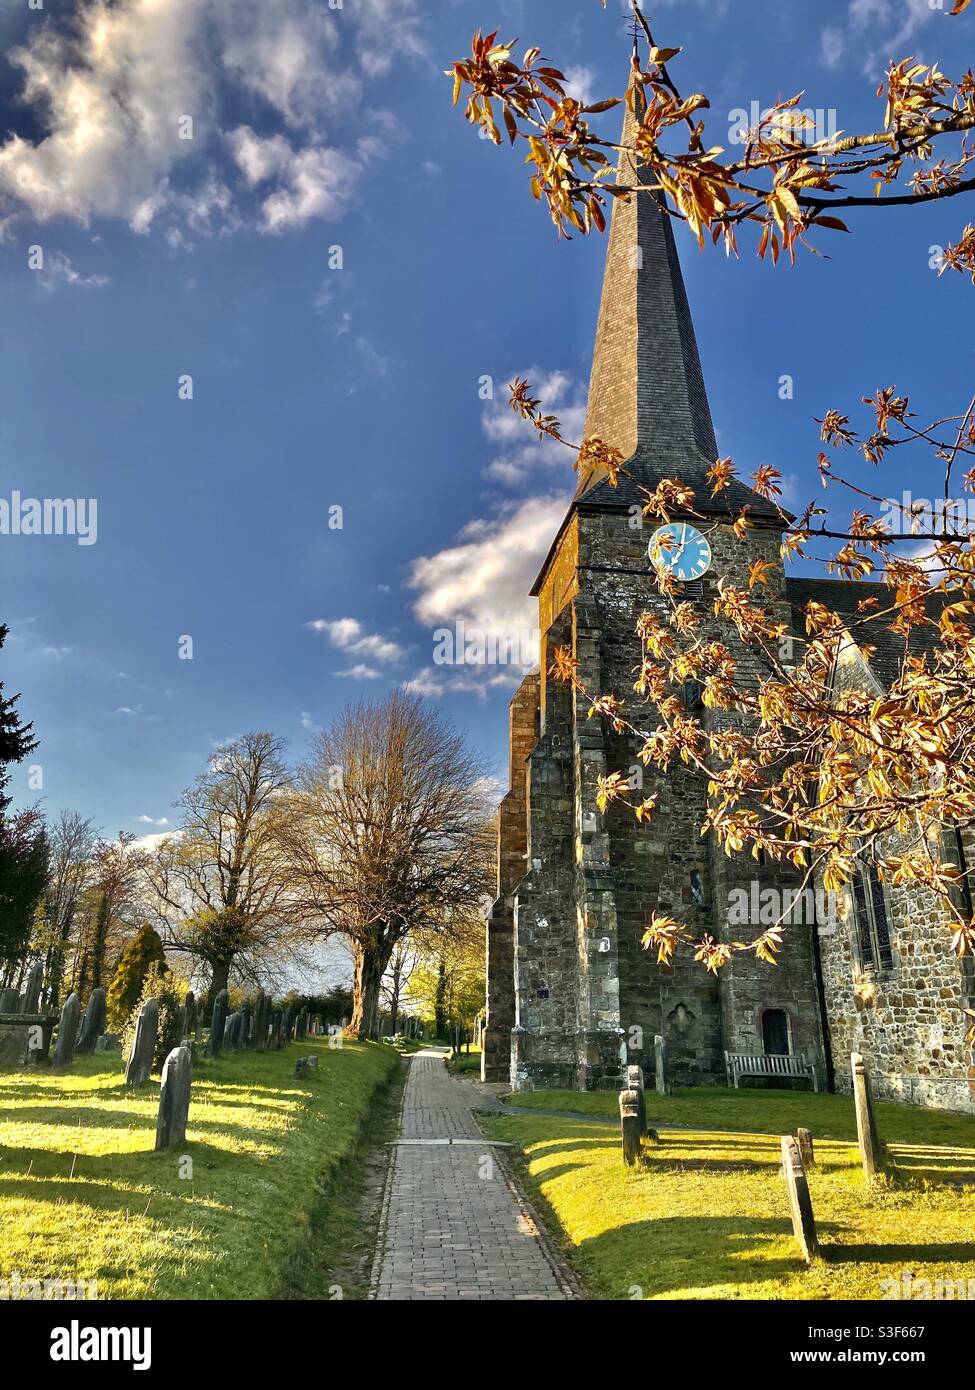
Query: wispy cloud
349,636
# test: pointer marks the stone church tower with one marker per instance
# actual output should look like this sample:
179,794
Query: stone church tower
572,996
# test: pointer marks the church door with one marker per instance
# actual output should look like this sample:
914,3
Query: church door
775,1032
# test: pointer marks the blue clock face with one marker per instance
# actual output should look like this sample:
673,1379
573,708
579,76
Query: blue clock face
681,549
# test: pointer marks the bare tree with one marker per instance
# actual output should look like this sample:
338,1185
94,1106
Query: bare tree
72,846
109,905
218,885
386,833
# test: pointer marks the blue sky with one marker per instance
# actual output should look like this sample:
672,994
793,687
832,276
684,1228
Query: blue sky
316,388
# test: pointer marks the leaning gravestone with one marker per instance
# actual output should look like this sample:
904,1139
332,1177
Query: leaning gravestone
32,994
174,1098
93,1024
805,1141
139,1066
660,1065
800,1203
630,1127
634,1082
215,1040
871,1153
67,1031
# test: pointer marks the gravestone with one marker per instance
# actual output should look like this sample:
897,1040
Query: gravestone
9,1001
260,1021
246,1023
276,1040
301,1066
215,1041
68,1031
634,1082
800,1203
805,1141
630,1130
139,1066
301,1026
190,1019
288,1022
32,994
108,1042
93,1024
660,1065
174,1098
871,1153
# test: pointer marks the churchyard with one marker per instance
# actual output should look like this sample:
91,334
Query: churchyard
85,1197
705,1212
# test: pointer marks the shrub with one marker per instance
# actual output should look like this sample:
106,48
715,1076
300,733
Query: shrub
159,984
144,951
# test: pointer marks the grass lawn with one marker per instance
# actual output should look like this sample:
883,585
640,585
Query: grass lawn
262,1146
708,1217
466,1063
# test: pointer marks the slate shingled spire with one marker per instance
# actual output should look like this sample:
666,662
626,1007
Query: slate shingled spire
647,395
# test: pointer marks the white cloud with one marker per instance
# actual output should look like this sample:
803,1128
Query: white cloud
108,85
360,672
579,83
434,682
59,267
313,182
348,635
832,46
521,451
150,820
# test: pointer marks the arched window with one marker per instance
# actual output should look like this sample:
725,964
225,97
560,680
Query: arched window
775,1033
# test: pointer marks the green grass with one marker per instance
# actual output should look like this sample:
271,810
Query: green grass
466,1063
262,1146
707,1218
764,1112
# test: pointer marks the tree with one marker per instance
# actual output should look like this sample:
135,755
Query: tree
117,868
219,885
448,980
16,739
825,776
23,870
386,834
72,847
140,955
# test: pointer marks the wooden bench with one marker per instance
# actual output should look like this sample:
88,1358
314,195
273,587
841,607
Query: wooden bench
739,1064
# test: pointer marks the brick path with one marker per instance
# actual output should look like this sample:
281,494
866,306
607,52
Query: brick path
448,1231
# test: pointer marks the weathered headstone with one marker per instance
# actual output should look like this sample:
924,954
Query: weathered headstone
93,1023
871,1153
276,1039
805,1141
287,1023
634,1082
260,1021
67,1031
9,1001
138,1069
174,1098
660,1065
190,1019
630,1130
800,1203
246,1023
301,1067
301,1032
108,1042
215,1041
31,1002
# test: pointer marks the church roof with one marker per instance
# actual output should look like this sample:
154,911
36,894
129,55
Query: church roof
843,597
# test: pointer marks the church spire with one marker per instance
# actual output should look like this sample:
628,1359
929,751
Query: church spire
647,395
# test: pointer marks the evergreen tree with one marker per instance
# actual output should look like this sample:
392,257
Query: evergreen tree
140,955
16,741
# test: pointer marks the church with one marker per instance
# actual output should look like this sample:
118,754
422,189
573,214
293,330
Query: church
572,997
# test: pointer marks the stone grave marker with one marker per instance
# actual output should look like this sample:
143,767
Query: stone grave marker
32,994
634,1082
215,1041
93,1024
660,1065
871,1154
630,1130
174,1098
800,1203
190,1016
805,1141
139,1066
68,1031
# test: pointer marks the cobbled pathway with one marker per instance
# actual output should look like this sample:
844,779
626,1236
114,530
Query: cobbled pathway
453,1226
